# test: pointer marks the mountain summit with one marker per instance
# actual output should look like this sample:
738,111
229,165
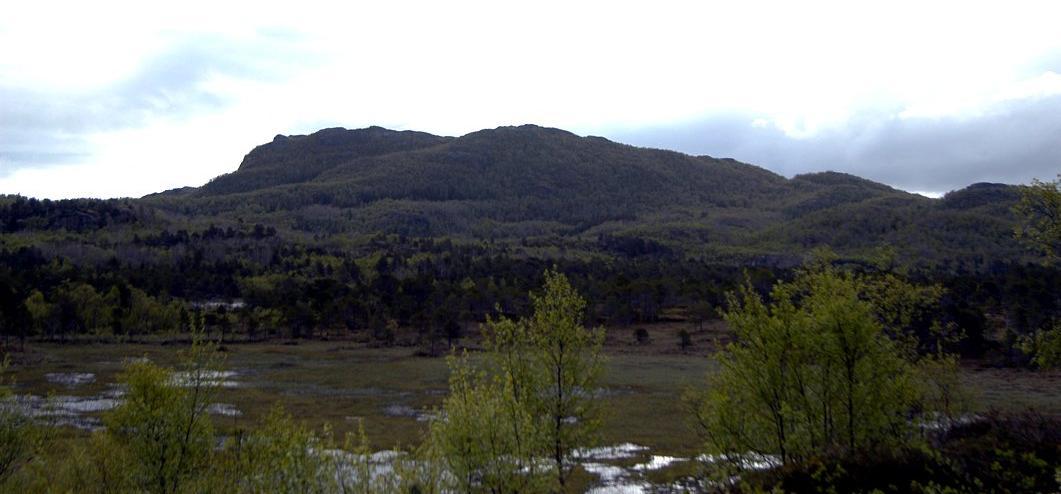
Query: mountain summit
299,158
531,181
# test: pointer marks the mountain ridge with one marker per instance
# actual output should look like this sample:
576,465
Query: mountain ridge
528,181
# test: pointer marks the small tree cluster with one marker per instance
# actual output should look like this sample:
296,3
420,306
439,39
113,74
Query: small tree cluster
1039,211
815,371
532,399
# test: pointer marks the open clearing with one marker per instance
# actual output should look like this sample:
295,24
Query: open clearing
395,392
647,441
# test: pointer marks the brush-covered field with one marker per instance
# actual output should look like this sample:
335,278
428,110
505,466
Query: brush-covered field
394,392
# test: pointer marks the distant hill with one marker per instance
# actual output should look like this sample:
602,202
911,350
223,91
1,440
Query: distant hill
349,232
533,182
297,159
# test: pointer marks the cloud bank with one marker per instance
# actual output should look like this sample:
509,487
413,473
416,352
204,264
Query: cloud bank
1011,142
125,99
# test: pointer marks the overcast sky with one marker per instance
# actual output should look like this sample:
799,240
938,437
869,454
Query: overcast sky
99,99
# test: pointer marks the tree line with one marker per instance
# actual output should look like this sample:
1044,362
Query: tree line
431,290
824,383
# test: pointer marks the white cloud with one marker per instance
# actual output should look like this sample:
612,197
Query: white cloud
455,67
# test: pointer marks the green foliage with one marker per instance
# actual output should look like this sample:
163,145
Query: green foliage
149,315
811,372
284,456
644,229
1045,347
1039,211
568,358
1014,454
160,439
86,305
78,309
163,421
522,182
942,394
40,311
487,439
20,438
534,400
461,224
102,465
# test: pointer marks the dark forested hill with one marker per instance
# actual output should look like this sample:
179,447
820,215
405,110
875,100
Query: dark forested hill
352,230
296,159
427,185
528,182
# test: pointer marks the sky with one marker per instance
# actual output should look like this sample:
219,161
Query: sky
112,99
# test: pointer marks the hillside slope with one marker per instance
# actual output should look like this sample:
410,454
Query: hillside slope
534,182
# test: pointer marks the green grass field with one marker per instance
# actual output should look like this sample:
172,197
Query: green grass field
340,383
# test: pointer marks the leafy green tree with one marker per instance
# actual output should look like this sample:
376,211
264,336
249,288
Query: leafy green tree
164,423
41,312
534,398
567,357
813,371
99,465
89,304
1044,347
284,456
1039,211
488,440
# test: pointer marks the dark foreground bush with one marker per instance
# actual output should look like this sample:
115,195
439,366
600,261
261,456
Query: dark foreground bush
995,453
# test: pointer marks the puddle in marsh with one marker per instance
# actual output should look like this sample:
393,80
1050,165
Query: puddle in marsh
744,461
617,452
942,423
351,465
224,409
398,410
83,412
610,464
224,379
302,389
70,411
70,379
613,478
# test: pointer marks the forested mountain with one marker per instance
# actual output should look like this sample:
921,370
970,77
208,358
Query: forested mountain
344,230
297,159
528,182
